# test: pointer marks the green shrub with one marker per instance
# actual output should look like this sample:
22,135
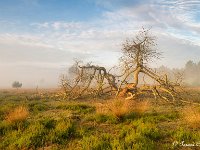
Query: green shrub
149,130
15,139
48,123
86,130
4,127
8,140
131,116
130,138
144,144
185,135
96,143
157,117
38,134
33,137
139,135
102,118
64,131
79,108
38,107
15,98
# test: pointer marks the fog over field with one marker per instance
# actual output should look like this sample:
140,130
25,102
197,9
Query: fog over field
40,40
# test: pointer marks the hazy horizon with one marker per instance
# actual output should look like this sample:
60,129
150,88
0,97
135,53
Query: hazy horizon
39,39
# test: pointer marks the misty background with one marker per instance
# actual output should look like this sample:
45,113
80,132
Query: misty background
40,39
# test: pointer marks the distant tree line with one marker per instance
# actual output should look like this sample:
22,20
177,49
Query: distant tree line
190,73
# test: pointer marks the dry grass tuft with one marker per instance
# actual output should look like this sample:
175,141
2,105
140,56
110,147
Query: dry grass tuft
121,107
101,108
20,113
191,116
141,107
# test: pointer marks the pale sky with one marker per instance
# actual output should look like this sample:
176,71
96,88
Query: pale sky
39,39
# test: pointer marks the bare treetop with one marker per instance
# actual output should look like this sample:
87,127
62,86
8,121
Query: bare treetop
141,49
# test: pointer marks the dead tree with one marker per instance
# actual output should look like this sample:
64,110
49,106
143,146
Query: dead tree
89,79
137,53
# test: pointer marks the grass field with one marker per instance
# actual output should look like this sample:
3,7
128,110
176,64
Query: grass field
29,121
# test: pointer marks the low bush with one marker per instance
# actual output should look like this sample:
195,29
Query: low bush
63,132
191,116
38,134
96,142
37,107
139,135
186,135
102,118
79,108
